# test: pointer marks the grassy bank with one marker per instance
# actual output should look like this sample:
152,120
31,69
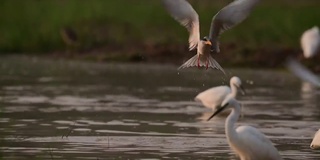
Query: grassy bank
141,27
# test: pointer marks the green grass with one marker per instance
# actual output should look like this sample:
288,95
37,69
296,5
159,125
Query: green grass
34,25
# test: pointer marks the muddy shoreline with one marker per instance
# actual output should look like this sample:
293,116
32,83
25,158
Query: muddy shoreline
229,56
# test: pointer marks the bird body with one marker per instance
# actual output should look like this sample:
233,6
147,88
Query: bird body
315,144
226,18
248,134
248,142
213,97
203,57
310,42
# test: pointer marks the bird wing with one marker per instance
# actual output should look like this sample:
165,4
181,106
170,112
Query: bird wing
183,12
229,16
213,97
256,143
302,72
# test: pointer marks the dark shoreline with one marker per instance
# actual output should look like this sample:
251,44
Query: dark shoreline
228,57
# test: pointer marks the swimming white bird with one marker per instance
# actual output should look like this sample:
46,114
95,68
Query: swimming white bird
310,42
248,142
213,97
226,18
315,144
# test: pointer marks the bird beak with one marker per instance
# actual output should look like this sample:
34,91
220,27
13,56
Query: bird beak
208,42
243,92
220,109
312,146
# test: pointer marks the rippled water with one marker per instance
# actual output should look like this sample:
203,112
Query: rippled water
75,110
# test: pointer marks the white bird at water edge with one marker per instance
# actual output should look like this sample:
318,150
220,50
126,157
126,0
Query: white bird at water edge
226,18
213,97
246,141
310,44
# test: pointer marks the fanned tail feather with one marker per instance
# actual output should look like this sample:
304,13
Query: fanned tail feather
194,61
214,64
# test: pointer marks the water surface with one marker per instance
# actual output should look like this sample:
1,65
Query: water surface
53,109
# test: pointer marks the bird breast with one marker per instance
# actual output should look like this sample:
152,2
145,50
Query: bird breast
203,49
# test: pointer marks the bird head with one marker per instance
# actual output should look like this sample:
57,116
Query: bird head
237,82
206,41
312,146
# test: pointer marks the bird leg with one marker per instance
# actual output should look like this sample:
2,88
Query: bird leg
207,64
198,62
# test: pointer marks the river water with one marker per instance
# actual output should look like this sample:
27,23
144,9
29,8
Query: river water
55,109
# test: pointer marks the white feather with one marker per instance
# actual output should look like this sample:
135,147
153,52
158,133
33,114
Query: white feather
183,12
310,42
315,144
302,72
228,17
213,97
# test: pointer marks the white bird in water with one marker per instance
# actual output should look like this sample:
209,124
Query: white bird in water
213,97
226,18
310,42
248,142
315,144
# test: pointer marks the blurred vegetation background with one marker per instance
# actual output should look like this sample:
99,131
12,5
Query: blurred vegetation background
141,30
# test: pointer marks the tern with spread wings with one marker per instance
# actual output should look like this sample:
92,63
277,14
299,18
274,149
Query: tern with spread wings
226,18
